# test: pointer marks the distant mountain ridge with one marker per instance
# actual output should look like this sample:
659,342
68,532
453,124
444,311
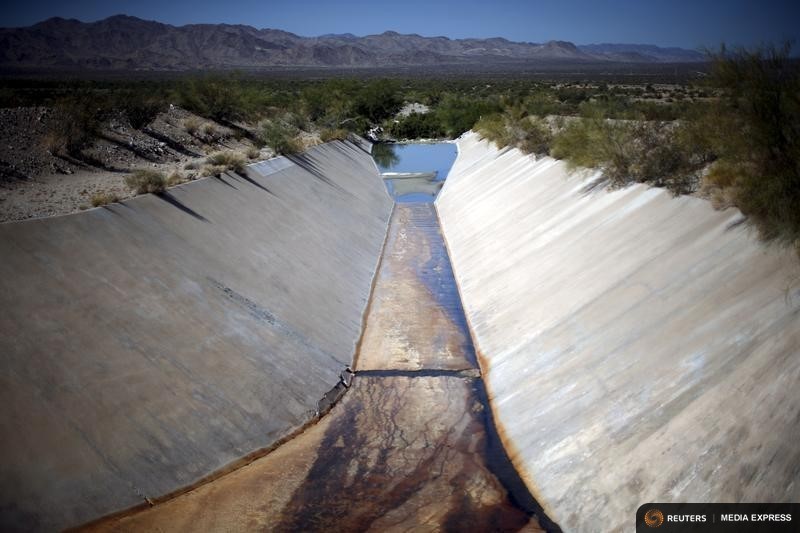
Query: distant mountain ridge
124,42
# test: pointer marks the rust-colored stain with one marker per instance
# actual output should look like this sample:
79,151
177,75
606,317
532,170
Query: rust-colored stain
407,447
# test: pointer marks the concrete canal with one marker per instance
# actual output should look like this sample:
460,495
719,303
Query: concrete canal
410,446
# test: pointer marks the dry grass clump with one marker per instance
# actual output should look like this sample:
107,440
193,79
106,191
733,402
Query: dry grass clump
192,125
204,131
337,134
146,180
209,130
54,142
212,170
104,198
253,153
176,178
228,160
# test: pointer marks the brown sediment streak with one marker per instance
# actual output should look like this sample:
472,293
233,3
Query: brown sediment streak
395,445
337,392
408,446
483,363
324,407
226,470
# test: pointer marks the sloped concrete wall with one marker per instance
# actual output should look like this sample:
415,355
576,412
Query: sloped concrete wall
638,347
146,344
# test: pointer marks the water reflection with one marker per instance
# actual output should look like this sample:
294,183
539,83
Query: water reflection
431,161
385,155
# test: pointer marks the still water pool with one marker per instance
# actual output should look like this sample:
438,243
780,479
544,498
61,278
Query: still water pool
413,158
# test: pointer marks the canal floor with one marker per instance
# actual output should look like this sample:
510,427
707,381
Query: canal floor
410,447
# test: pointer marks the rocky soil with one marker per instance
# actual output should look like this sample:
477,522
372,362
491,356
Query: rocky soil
38,180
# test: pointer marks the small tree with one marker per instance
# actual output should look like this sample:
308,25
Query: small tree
755,132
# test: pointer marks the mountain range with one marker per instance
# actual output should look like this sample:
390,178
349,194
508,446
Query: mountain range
123,42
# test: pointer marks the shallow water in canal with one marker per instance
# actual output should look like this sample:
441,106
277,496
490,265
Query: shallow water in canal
410,447
436,158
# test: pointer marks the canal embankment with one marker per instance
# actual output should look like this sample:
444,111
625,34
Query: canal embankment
636,346
151,343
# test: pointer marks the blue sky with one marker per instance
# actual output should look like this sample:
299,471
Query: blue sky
689,24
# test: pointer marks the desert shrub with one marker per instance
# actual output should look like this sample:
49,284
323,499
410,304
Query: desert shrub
252,153
229,160
146,180
631,151
77,120
515,128
378,100
175,178
572,96
459,114
358,125
493,128
418,125
212,170
295,146
757,138
337,134
573,144
104,198
533,136
317,100
296,121
541,104
140,107
209,130
661,157
192,125
596,142
280,137
221,97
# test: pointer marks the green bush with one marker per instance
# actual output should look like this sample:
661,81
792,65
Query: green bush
459,114
579,143
493,128
541,104
280,137
756,135
378,100
632,151
515,128
224,98
418,125
146,180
